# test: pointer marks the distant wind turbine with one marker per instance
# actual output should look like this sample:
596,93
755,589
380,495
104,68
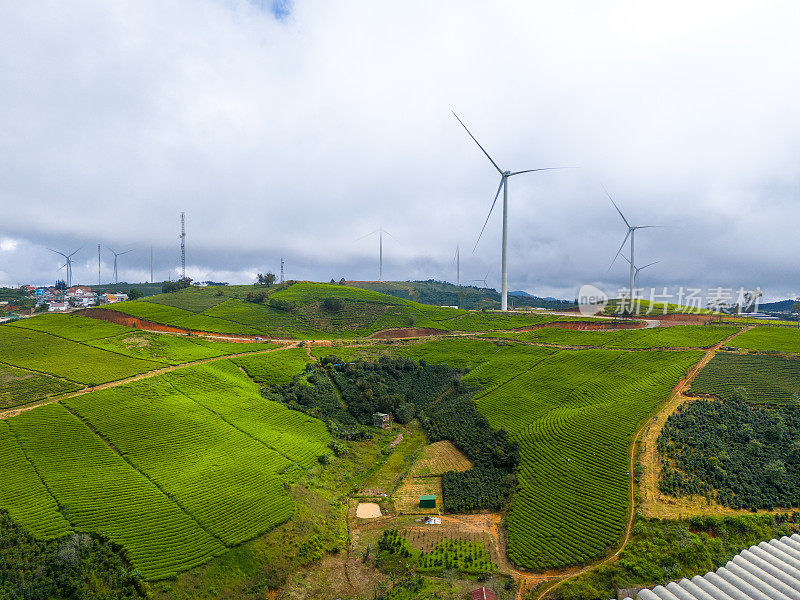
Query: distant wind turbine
380,231
637,269
631,231
485,286
68,264
116,255
504,175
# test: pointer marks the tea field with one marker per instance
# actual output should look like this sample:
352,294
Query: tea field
762,378
770,339
18,386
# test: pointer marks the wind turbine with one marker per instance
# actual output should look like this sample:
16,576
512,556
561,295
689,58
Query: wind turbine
504,175
380,231
68,264
637,269
631,231
117,254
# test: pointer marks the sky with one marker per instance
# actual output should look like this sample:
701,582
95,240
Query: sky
293,129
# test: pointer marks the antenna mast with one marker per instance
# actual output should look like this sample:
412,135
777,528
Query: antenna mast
183,245
281,270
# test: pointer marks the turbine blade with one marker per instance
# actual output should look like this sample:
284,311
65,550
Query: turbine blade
57,252
76,251
649,227
621,246
362,237
617,207
126,251
655,262
544,169
499,170
496,196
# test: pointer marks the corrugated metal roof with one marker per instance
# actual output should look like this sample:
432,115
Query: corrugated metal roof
768,571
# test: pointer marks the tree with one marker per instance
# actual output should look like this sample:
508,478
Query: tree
174,286
342,281
61,284
797,310
134,294
267,279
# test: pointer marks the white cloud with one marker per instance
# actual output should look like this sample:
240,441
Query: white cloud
294,137
8,245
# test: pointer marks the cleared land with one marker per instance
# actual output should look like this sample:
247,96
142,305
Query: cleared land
765,379
439,457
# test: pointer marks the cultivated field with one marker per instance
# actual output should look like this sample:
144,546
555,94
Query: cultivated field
772,339
764,379
18,386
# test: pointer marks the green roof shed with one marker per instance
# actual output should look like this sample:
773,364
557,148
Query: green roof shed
427,501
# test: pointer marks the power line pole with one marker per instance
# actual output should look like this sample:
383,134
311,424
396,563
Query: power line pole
183,245
281,270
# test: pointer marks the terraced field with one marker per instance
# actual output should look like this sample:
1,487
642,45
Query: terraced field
18,386
770,339
175,468
71,327
680,336
574,414
765,379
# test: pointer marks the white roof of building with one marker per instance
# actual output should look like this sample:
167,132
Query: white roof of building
768,571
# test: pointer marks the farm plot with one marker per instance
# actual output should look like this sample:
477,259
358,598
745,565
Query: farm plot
265,319
150,311
406,496
275,367
680,336
23,494
63,358
170,348
18,386
192,299
764,379
100,492
202,322
229,482
72,327
438,458
574,414
771,339
458,353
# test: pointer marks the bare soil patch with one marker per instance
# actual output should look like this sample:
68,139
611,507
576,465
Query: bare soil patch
368,510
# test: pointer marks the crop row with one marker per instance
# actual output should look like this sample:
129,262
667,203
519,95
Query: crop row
773,339
574,414
72,327
225,479
64,358
762,378
98,491
18,386
681,336
23,494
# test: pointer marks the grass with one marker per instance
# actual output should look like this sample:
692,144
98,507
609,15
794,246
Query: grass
764,379
770,339
437,458
386,477
574,414
18,386
63,358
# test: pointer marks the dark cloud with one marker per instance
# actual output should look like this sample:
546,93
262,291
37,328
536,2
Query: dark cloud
293,129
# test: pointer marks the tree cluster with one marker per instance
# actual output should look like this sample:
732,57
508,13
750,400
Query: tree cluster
77,566
174,286
346,395
745,456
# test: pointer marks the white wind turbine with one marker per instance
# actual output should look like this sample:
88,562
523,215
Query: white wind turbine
380,231
637,269
68,264
631,231
117,254
504,175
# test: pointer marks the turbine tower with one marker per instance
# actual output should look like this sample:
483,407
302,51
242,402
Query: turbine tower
281,270
504,176
458,267
183,245
631,231
98,265
380,231
116,254
68,264
637,269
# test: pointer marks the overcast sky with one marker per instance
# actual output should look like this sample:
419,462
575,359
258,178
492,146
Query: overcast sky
293,129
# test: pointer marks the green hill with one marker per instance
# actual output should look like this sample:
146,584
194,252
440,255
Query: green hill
312,311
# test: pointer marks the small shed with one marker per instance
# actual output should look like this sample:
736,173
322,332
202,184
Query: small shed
427,501
483,594
382,420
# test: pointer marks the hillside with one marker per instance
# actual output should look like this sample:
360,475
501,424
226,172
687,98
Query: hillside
312,311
